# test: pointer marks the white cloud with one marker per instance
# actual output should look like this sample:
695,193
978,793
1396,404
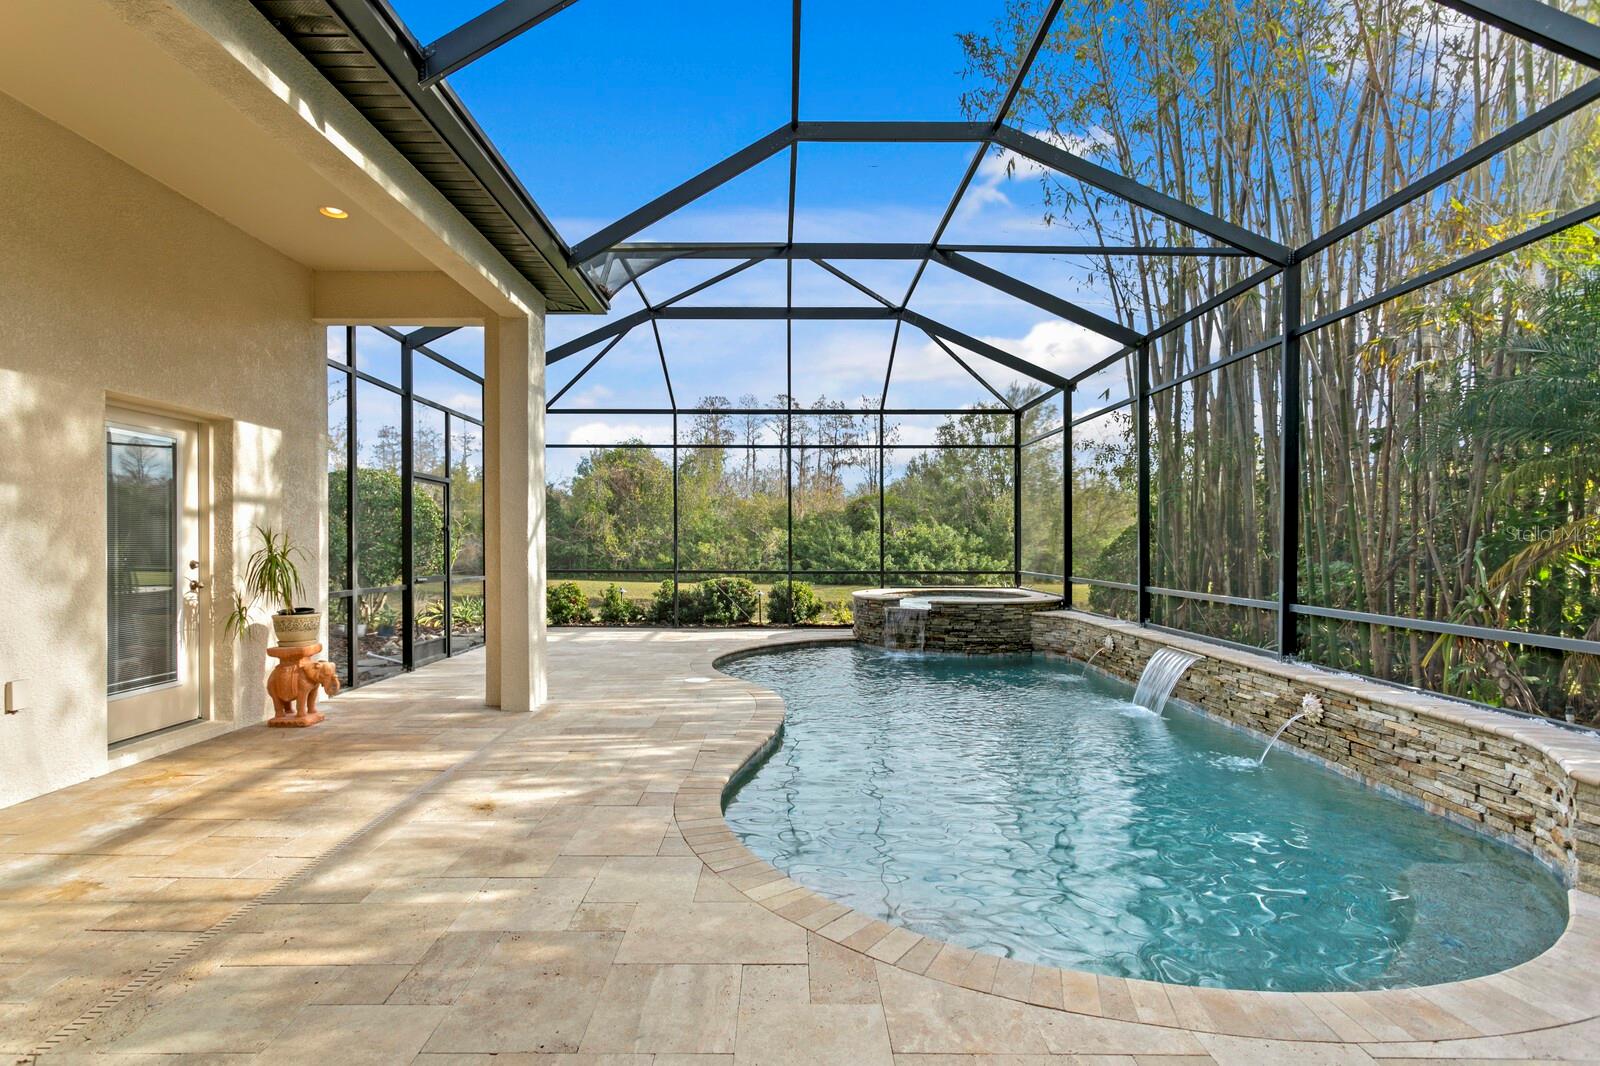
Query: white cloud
588,395
600,431
1061,347
1109,429
1005,167
468,402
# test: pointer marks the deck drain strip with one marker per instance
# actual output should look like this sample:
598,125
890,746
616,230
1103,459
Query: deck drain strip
142,981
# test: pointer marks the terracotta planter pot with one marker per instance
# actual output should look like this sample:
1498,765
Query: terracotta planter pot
294,630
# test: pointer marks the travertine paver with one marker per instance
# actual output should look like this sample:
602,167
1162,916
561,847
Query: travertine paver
466,886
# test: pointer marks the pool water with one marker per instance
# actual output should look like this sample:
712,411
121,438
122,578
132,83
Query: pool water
1012,805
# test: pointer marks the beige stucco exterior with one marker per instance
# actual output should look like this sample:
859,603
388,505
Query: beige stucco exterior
116,288
173,266
514,468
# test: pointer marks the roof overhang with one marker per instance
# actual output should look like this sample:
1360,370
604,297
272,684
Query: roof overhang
364,51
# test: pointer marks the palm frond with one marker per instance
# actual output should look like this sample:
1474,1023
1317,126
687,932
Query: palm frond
1573,469
1563,540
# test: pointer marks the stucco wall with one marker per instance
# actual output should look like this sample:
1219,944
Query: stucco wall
1530,783
114,286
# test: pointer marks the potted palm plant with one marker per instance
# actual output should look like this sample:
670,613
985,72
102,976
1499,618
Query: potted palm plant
273,575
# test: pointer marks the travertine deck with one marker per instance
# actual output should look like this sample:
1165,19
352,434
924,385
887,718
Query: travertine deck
422,879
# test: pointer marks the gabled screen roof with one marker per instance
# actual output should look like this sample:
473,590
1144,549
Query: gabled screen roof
825,187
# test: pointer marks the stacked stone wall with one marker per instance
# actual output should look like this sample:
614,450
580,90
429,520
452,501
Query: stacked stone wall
968,627
1531,783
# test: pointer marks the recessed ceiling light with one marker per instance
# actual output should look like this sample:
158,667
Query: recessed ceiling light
333,212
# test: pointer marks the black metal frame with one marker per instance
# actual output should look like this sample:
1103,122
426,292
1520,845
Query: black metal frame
881,451
410,345
1539,23
1287,606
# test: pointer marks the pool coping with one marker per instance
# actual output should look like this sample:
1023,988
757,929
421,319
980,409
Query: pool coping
889,597
1547,991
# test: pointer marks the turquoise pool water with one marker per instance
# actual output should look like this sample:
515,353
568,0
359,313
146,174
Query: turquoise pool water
1012,805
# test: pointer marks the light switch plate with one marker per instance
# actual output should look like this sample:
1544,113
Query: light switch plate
16,695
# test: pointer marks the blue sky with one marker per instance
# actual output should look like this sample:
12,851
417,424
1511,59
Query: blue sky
611,102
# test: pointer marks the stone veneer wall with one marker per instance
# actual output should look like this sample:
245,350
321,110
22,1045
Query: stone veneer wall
868,624
969,627
1531,783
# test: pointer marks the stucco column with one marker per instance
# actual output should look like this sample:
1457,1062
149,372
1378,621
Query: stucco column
514,510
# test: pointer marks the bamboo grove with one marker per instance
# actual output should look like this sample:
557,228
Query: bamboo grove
1451,436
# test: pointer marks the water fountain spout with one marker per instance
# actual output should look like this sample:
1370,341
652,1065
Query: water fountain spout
1161,676
1106,645
1310,707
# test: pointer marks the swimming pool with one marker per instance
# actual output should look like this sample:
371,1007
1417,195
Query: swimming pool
1015,806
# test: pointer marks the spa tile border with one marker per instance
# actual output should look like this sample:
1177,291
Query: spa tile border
1554,989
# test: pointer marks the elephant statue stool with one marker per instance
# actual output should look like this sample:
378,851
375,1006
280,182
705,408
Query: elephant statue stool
295,682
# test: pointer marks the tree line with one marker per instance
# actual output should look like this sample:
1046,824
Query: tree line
947,507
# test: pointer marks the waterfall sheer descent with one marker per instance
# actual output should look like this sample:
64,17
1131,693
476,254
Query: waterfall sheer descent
905,628
1161,676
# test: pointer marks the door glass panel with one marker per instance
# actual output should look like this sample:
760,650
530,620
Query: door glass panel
378,487
427,632
466,615
427,529
427,440
339,636
379,653
338,480
466,498
141,560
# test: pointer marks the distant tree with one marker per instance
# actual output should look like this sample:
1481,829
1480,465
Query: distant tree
713,427
384,453
617,513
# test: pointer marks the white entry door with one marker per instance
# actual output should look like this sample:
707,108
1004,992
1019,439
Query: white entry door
156,597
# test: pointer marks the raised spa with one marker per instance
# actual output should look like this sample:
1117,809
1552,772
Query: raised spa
974,620
1017,806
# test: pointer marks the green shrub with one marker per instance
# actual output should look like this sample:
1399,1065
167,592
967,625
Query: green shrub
725,601
566,605
712,602
430,616
615,610
717,601
661,604
467,612
793,603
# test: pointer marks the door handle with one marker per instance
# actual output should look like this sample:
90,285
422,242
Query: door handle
195,586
